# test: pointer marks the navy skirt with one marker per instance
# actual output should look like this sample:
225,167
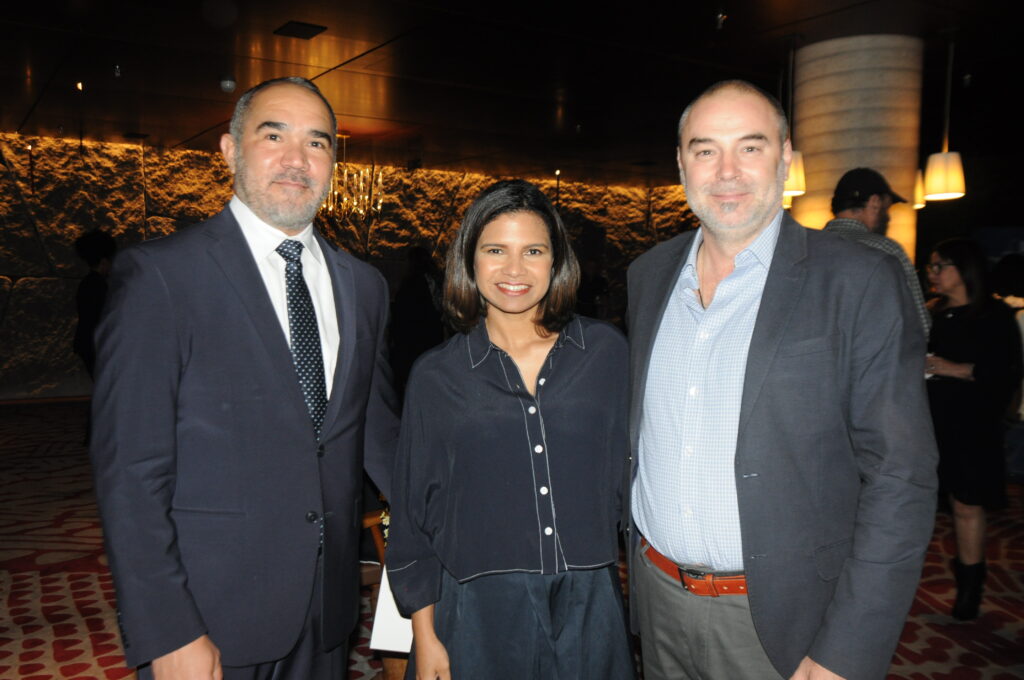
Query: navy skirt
567,626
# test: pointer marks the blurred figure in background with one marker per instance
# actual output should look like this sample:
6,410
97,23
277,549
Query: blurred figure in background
97,249
974,368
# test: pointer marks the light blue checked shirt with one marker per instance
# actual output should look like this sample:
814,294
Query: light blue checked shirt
684,494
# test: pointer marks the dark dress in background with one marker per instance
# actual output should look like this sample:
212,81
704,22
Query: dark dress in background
968,414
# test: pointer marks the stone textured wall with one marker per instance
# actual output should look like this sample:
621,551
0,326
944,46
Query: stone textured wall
54,190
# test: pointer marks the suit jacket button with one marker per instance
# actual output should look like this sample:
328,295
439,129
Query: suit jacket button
312,517
320,451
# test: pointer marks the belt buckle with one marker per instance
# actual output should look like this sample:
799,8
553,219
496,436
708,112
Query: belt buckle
705,577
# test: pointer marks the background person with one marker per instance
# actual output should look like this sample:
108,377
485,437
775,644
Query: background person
974,364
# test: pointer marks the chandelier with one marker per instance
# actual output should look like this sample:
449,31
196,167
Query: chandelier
356,193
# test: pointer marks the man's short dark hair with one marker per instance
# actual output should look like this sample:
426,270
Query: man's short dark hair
245,102
463,303
739,86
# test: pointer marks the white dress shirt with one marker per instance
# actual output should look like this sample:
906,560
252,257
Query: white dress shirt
263,241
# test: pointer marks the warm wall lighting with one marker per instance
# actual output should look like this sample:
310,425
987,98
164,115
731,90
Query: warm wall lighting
796,185
919,190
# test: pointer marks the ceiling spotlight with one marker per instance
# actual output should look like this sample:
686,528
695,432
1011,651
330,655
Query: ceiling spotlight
117,70
227,84
78,85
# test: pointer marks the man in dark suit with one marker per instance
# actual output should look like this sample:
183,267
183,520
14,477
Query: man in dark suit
242,386
784,468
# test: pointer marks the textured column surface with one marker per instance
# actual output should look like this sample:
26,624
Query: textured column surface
857,103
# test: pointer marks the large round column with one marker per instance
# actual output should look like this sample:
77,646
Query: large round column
857,103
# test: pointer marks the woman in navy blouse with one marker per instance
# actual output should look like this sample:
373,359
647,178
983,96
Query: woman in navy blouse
512,463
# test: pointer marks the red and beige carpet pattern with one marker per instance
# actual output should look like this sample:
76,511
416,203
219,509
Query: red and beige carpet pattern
57,600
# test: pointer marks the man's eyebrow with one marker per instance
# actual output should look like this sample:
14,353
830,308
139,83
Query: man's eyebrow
751,137
320,134
272,124
275,125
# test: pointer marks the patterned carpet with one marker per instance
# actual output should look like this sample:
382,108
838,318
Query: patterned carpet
56,597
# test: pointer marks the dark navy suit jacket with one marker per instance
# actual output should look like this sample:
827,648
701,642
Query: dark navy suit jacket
835,457
210,480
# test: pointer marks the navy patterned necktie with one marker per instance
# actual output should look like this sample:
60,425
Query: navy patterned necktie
305,335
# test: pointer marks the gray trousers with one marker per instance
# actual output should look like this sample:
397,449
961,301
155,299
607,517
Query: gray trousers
691,637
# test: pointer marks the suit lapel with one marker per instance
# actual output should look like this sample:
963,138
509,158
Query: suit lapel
343,283
779,299
664,271
232,254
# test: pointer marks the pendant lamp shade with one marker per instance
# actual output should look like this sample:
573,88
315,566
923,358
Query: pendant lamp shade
944,177
796,185
919,191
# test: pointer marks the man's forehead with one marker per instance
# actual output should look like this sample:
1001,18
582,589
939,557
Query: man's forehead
732,110
285,97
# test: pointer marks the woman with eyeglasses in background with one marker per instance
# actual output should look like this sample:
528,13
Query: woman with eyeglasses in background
973,368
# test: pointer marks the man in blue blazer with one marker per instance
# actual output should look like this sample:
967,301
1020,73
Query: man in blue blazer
242,387
783,483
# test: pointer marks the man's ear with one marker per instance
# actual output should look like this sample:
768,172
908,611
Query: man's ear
679,164
227,150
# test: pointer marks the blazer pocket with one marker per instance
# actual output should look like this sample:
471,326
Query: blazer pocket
829,559
823,343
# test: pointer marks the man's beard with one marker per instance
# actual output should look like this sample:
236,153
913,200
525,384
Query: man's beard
288,216
761,212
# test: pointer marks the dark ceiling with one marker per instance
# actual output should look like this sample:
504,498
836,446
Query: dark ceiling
511,88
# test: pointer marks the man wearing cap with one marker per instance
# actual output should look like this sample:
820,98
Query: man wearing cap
861,205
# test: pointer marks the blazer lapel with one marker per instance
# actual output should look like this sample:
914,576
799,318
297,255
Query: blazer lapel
663,273
231,253
781,292
343,283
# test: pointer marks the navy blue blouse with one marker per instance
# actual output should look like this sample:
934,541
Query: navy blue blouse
490,479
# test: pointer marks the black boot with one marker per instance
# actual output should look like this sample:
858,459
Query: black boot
970,581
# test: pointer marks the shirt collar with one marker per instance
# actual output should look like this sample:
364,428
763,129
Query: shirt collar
479,345
761,250
847,224
264,239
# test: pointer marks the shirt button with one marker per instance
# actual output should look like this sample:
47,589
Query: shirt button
538,449
312,517
532,409
548,531
703,335
542,381
687,451
543,491
320,451
692,391
687,511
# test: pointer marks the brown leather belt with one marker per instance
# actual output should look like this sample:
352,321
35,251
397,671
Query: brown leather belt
697,582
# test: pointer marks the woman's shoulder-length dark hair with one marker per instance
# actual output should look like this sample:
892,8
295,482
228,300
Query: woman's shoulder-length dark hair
463,304
969,259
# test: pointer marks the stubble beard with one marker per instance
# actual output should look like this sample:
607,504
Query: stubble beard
730,232
289,217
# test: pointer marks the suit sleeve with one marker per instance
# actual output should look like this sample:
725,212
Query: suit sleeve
892,437
139,358
382,406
